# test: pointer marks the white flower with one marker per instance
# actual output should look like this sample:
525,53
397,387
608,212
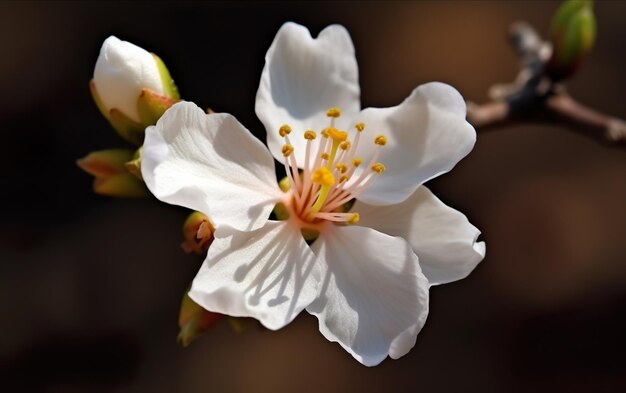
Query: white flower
122,71
361,276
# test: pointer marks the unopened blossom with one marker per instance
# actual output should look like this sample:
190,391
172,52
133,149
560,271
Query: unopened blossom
131,87
122,70
362,268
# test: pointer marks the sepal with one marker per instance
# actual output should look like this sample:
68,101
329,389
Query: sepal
169,87
127,128
151,106
134,166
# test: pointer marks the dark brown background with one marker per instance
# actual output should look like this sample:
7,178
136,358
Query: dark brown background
90,286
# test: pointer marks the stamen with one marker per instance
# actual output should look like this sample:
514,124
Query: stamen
287,150
354,218
342,168
309,135
380,140
333,112
359,127
317,193
291,170
284,184
284,130
378,168
348,218
341,196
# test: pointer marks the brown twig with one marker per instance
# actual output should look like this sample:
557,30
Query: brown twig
536,96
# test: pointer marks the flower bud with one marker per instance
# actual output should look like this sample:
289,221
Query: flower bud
194,320
111,176
198,232
131,87
572,33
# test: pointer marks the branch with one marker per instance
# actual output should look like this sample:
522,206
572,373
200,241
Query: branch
535,96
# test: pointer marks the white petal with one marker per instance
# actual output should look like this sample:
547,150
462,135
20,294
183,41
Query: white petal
426,136
121,71
443,238
212,164
373,296
302,78
269,274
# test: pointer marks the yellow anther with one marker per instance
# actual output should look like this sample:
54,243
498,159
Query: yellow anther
324,133
343,168
333,112
378,167
323,176
284,130
309,135
338,136
284,184
357,161
345,145
360,126
325,156
354,218
343,178
380,140
287,150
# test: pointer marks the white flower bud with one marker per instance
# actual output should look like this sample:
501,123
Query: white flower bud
122,70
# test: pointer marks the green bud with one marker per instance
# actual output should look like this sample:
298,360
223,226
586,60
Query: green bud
131,87
198,232
572,33
194,320
111,176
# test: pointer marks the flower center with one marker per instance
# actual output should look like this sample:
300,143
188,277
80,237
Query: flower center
328,181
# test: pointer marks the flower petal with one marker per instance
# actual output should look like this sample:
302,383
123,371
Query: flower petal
212,164
442,237
302,78
426,136
269,274
373,295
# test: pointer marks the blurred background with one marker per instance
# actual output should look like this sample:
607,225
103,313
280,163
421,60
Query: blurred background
90,286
